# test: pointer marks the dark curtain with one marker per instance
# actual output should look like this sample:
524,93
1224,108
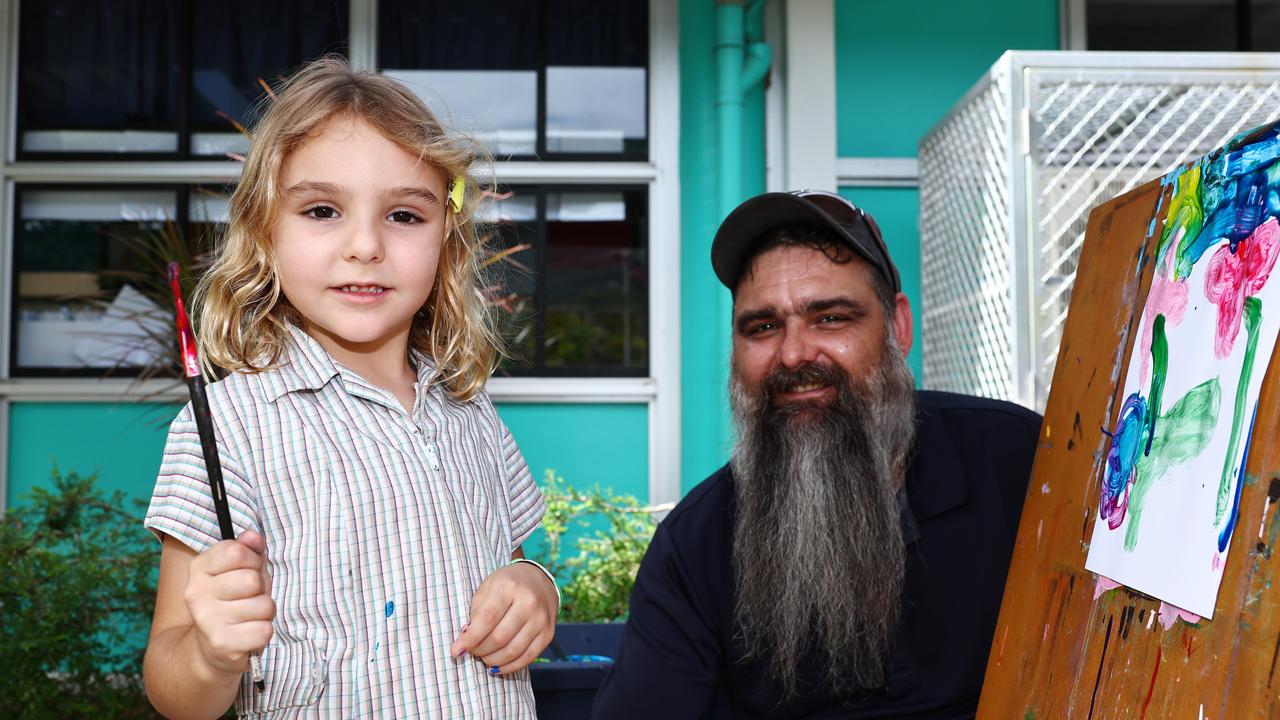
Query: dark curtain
236,42
595,33
440,35
88,64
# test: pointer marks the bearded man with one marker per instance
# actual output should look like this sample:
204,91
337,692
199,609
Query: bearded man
850,559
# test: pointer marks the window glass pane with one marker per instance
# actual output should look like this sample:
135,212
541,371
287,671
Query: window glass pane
509,228
1193,25
596,78
98,77
499,108
597,282
86,277
237,43
475,65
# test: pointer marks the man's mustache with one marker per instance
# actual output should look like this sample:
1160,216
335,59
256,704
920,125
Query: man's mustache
783,380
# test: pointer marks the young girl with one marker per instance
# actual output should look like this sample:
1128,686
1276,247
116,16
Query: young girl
379,502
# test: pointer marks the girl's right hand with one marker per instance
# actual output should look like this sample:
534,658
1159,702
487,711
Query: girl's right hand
228,594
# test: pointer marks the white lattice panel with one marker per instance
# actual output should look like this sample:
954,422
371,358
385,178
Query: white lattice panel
1044,138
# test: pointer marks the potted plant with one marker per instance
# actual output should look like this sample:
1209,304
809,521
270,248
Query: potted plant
609,535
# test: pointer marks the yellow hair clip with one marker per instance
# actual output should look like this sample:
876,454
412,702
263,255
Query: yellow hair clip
457,192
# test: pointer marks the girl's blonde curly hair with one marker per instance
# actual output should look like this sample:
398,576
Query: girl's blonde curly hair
243,316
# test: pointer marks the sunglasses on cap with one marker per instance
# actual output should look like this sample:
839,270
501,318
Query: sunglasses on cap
840,209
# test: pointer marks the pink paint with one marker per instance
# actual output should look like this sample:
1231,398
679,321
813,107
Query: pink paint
1170,614
1104,584
1233,276
1167,297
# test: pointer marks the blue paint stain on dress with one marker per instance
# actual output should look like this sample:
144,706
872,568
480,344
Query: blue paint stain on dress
1225,536
390,608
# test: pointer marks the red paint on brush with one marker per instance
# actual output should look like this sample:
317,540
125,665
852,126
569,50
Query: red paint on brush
186,338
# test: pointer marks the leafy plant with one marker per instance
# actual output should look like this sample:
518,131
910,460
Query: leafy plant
77,594
595,581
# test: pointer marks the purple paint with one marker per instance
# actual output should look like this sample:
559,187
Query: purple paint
1126,446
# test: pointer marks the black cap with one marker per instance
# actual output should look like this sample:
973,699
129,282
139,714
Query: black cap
757,216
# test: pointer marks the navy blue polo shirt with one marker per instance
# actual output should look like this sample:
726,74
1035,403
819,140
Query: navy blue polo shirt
964,489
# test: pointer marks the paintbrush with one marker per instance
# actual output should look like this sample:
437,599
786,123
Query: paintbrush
204,426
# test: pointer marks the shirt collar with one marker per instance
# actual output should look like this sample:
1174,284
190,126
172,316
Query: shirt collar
309,367
306,366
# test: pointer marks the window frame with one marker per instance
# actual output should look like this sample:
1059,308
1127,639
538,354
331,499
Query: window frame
541,191
659,391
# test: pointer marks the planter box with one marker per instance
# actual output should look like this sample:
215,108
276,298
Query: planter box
566,685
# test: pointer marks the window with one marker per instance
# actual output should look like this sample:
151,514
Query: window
1190,25
90,294
563,82
552,79
574,288
157,78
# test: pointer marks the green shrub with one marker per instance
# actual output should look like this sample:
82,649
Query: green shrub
76,595
596,580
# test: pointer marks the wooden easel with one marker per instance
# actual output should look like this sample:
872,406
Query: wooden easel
1060,653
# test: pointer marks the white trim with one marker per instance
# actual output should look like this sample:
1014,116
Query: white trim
881,172
117,171
811,95
4,454
501,389
775,100
1073,25
7,195
195,171
585,172
8,121
664,251
8,79
572,390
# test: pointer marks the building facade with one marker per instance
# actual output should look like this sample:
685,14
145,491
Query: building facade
612,152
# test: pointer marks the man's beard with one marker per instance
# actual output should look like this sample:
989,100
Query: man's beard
818,553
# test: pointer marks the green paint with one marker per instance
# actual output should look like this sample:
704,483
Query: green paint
1031,715
1159,369
1252,319
1185,432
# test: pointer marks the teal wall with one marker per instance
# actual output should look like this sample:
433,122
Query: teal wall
703,342
899,68
901,65
895,210
586,444
122,442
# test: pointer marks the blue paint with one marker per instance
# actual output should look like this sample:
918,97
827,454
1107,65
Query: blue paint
1252,157
1225,536
390,608
1126,446
493,670
1251,205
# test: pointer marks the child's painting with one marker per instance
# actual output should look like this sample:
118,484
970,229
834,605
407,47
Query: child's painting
1173,472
